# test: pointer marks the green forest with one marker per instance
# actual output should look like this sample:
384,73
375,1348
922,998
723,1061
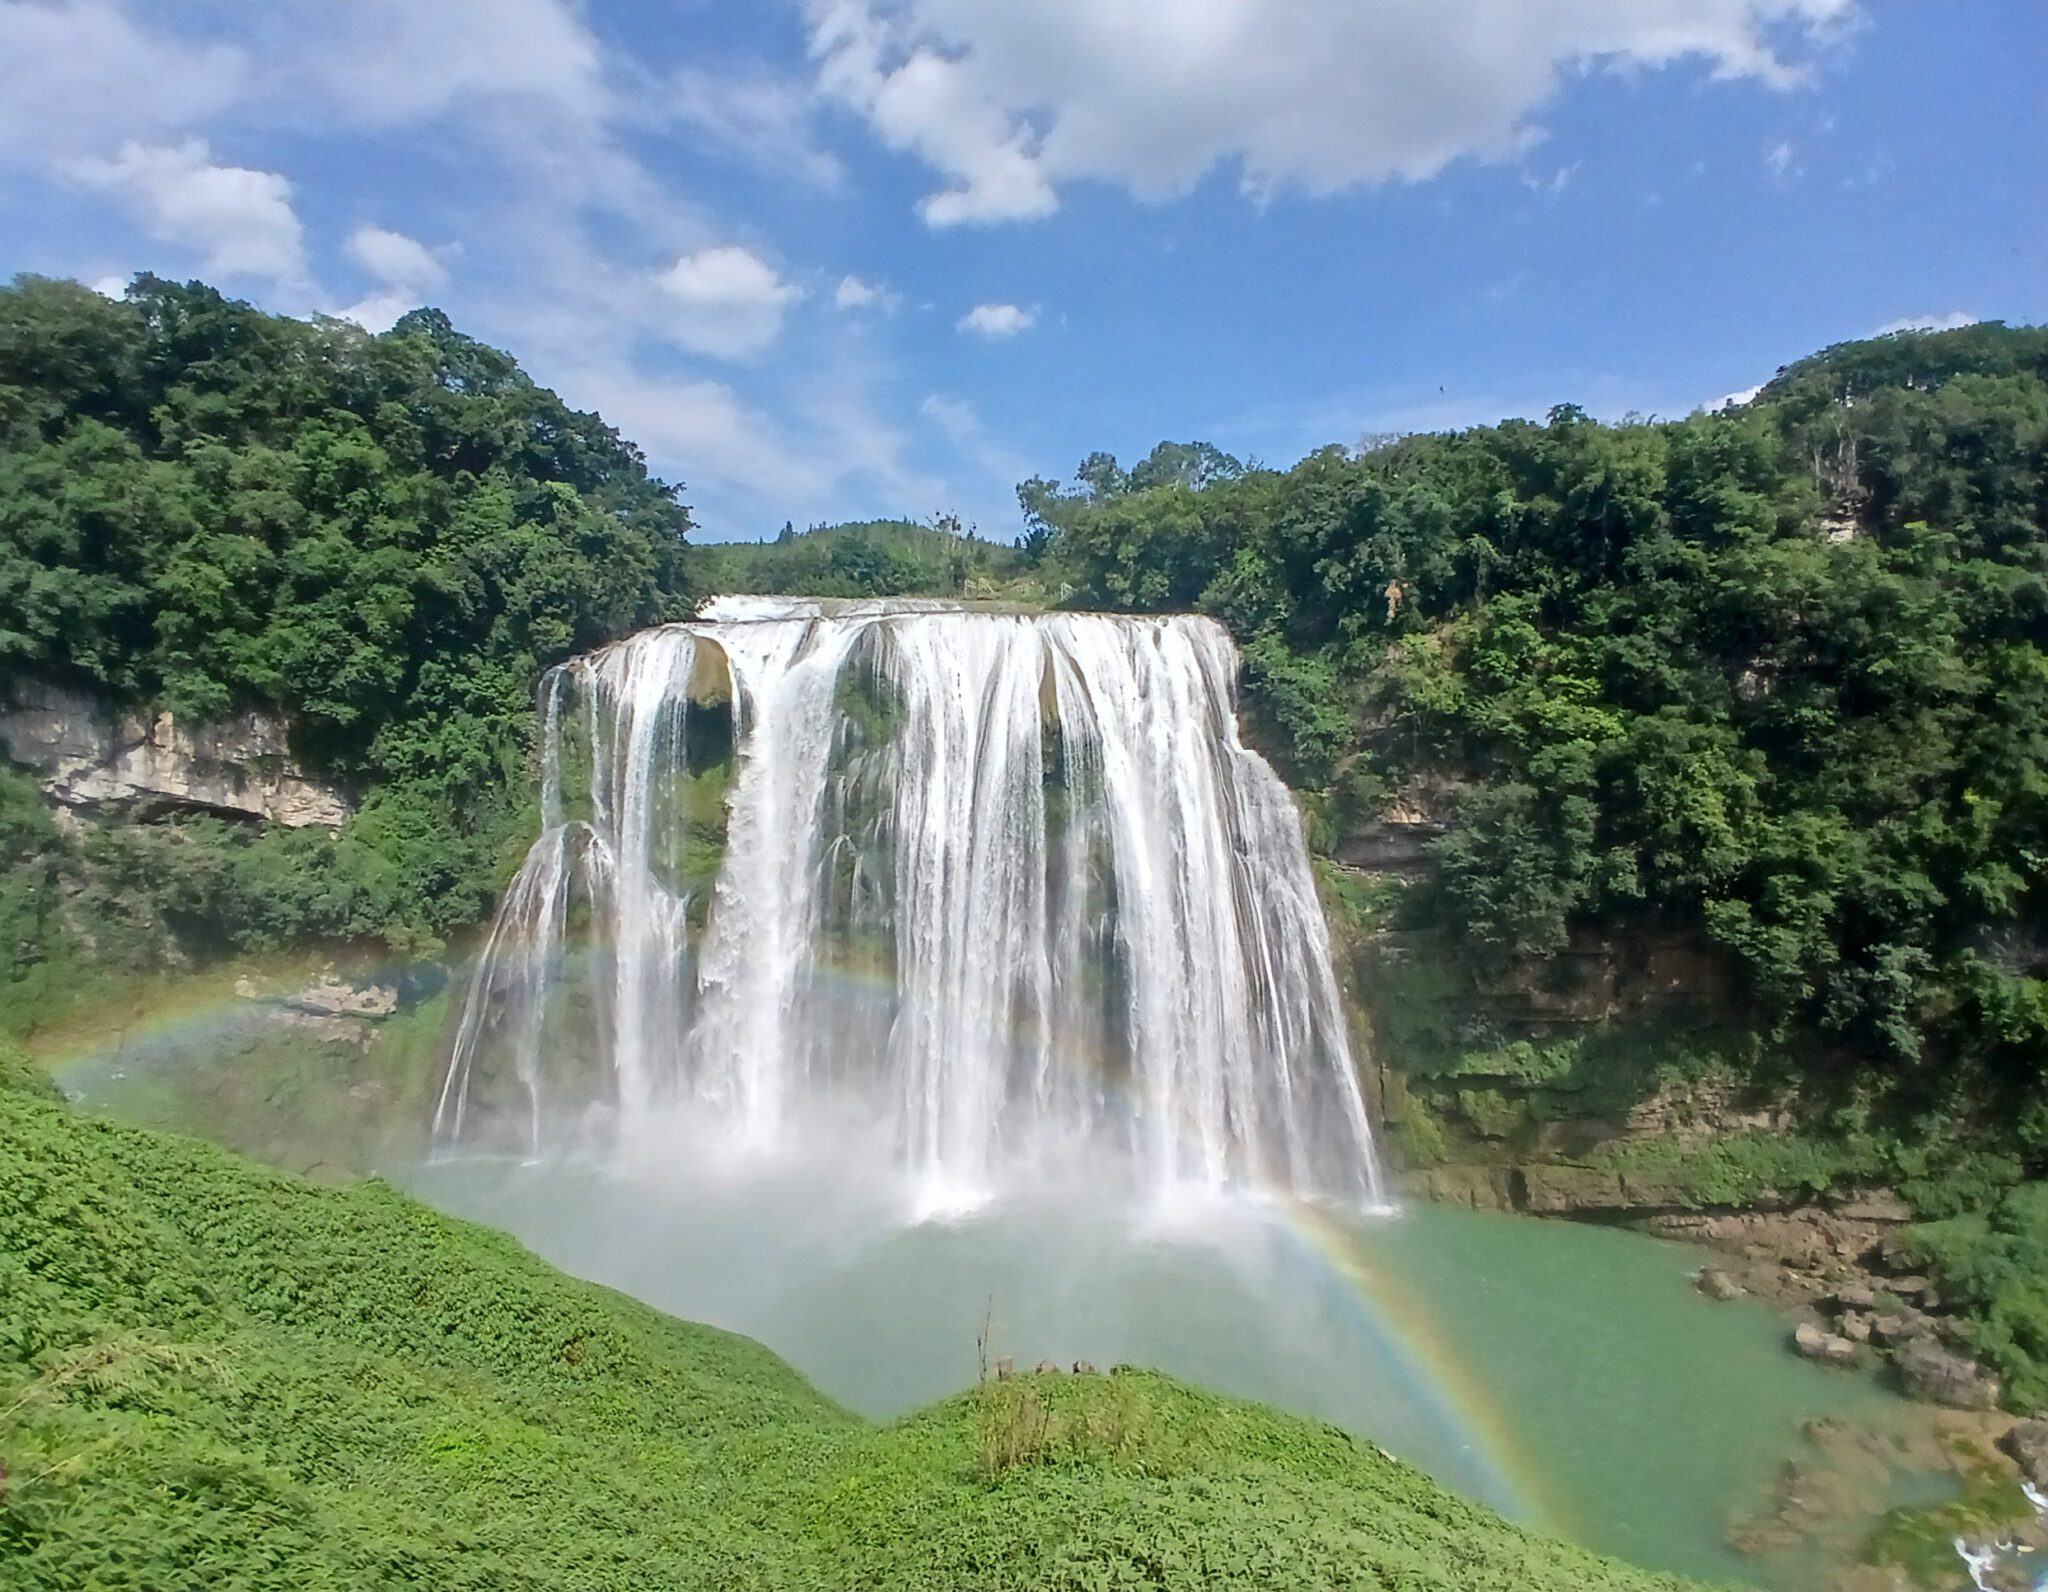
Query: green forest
206,508
1778,673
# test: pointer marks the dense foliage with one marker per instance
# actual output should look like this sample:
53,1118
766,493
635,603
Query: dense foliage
205,508
1776,675
215,1376
865,558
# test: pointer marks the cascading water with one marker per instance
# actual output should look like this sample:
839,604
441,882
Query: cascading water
1001,886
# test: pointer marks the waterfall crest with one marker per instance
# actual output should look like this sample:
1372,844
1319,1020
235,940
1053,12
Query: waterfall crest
998,885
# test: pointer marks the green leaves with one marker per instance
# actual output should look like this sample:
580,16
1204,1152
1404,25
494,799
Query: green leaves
206,508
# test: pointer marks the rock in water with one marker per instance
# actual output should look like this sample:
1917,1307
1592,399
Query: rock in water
1816,1344
1716,1283
1941,1376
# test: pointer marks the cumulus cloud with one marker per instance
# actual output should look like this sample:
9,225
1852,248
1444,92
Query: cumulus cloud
1950,322
997,320
1735,400
240,221
855,294
726,301
394,258
406,271
1006,103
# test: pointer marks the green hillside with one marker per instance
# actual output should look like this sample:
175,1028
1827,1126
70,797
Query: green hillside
869,558
215,1376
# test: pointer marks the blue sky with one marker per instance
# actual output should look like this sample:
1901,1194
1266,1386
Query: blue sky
832,258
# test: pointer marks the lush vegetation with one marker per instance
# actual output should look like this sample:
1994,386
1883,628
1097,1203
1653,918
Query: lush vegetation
386,538
1777,675
216,1376
868,558
1770,684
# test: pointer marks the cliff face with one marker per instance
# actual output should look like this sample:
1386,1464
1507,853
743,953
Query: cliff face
91,755
1582,1083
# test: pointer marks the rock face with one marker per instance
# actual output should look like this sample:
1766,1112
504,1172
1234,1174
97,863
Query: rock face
90,755
1941,1377
2027,1446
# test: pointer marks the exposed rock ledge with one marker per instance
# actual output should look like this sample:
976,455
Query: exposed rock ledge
90,755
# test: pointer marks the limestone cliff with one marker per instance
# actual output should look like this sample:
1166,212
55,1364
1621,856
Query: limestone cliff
92,755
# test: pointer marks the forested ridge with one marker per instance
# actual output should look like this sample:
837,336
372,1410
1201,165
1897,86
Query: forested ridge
1778,671
1772,680
205,508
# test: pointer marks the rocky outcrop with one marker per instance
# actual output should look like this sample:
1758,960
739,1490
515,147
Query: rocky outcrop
91,755
2026,1445
1941,1376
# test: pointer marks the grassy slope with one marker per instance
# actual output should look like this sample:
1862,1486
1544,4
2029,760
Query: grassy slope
217,1376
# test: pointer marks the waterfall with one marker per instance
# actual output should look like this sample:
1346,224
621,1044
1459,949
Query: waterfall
997,886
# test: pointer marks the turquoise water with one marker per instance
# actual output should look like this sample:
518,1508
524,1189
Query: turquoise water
1568,1375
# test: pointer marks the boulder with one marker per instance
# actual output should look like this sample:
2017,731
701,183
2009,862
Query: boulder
1046,1367
1855,1327
1083,1368
1853,1296
1941,1376
1898,1326
1716,1283
1815,1343
2027,1446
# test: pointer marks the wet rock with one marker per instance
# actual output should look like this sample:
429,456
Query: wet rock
1815,1343
1716,1283
1941,1376
335,997
1565,1190
2026,1445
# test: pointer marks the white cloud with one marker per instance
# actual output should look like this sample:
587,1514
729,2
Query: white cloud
962,425
1735,400
395,259
1781,158
240,221
79,78
1928,323
728,301
385,63
1006,103
764,120
997,320
855,294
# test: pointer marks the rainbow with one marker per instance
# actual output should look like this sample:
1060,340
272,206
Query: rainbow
1404,1324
